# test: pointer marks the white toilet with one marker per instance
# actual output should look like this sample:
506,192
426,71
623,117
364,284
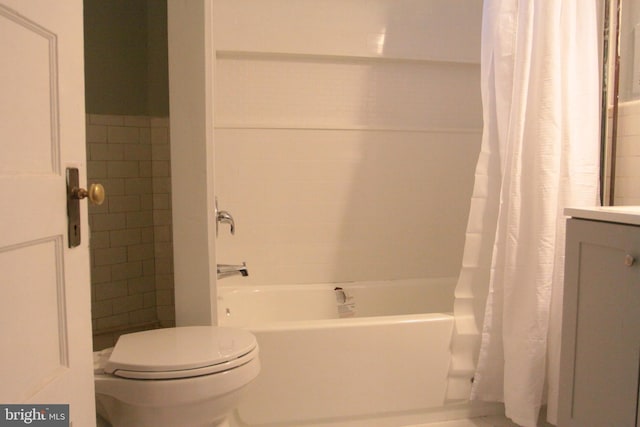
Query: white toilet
184,377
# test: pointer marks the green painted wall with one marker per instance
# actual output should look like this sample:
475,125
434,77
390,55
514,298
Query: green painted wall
126,69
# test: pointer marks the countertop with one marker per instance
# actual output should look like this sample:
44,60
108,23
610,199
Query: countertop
621,214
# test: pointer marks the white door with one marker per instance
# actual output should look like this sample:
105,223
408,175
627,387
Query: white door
45,320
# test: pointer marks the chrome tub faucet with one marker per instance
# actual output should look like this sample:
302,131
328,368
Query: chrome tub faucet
226,270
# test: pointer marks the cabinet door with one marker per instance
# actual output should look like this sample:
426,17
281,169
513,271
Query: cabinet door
601,326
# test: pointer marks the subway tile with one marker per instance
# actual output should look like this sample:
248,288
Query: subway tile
143,316
110,221
164,266
163,250
109,256
145,168
106,152
168,311
102,341
140,252
160,136
96,133
96,169
111,290
167,323
139,285
628,166
160,152
159,122
149,267
137,152
627,187
116,145
102,308
162,233
100,274
139,219
626,109
123,135
164,281
112,321
161,201
161,185
99,239
138,186
145,136
161,168
113,186
122,169
146,202
162,217
126,237
124,203
98,209
106,119
628,125
628,146
128,303
137,121
166,315
164,297
147,235
627,201
149,299
126,270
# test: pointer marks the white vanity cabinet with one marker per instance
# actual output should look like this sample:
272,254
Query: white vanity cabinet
600,356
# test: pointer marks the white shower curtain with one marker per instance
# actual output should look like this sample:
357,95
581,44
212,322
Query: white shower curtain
540,89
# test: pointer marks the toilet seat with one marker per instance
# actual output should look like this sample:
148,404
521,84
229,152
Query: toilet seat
181,352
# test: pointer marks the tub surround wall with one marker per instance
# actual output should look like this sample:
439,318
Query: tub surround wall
346,152
131,249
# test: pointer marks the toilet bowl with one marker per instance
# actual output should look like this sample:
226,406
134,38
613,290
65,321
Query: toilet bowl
184,376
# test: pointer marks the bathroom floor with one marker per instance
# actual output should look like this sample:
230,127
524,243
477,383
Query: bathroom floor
490,421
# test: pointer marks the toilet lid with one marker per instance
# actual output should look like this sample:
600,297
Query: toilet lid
181,352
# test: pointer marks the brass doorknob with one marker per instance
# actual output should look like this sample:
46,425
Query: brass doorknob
95,194
629,260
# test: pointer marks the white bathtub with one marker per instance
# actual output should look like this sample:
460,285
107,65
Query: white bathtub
390,357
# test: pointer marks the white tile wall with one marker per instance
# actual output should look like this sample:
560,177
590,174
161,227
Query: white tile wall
627,191
131,251
333,206
316,92
417,30
339,161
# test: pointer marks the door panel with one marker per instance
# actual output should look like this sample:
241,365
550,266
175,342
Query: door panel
32,95
33,278
45,306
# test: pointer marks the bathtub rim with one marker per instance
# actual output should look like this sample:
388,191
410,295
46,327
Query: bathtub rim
348,322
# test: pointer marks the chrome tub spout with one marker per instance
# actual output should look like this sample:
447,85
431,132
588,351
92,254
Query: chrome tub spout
226,270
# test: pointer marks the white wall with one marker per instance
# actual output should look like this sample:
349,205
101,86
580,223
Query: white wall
627,188
346,136
627,179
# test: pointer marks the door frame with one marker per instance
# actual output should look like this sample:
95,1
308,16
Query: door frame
191,77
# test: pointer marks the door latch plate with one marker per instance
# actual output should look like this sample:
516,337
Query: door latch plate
73,208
